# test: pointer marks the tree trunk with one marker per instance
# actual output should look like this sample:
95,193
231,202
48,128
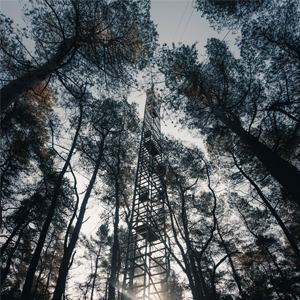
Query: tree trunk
64,266
96,270
235,274
286,174
14,90
115,250
4,272
47,283
197,280
106,288
35,259
191,269
187,269
272,210
287,283
20,223
33,295
205,246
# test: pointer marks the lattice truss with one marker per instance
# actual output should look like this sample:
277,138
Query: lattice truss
147,261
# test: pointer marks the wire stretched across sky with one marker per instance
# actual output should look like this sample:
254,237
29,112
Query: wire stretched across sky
180,20
186,24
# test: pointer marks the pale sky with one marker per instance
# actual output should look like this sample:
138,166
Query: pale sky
171,15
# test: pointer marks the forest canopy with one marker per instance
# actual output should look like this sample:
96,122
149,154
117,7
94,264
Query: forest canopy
71,146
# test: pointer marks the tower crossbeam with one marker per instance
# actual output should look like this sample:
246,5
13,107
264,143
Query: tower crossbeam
147,263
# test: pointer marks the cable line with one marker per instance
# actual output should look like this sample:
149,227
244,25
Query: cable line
180,20
187,24
226,35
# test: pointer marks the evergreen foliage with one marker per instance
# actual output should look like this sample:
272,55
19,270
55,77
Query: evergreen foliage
70,140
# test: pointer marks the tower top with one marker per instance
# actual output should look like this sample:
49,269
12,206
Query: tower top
151,96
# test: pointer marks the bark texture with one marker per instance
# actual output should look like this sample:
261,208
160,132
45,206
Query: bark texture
16,88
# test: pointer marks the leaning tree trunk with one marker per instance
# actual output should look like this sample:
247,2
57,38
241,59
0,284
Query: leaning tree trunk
236,276
260,239
271,209
5,271
42,238
196,285
14,90
95,274
13,234
197,293
64,266
286,174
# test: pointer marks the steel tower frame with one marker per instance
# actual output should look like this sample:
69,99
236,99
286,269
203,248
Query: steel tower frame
147,260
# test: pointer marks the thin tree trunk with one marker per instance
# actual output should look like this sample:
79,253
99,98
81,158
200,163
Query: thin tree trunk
34,261
197,280
187,269
4,272
37,281
20,223
272,210
203,283
213,277
96,270
286,174
115,247
190,268
285,280
259,238
211,231
235,274
64,266
115,250
114,260
43,267
106,288
14,90
47,283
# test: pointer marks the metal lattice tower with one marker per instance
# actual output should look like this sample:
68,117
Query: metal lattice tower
147,264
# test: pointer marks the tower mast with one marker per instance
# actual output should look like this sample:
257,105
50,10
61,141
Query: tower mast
147,259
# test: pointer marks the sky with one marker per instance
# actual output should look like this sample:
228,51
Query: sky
178,21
